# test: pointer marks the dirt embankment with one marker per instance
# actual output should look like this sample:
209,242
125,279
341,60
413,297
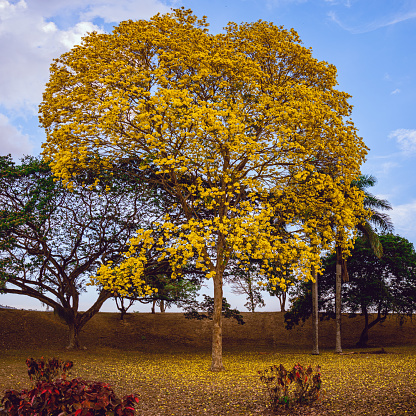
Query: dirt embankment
30,329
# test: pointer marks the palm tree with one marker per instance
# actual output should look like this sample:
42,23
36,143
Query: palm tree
315,316
381,222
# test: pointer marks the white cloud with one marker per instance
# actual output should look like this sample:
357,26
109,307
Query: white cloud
346,3
403,217
31,37
108,10
12,140
406,139
358,19
72,37
28,44
396,91
386,168
401,18
111,11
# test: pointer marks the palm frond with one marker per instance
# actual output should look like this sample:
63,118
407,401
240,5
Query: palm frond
364,181
382,222
371,236
372,202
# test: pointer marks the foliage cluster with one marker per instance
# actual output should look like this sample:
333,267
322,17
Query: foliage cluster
208,307
376,285
289,388
62,397
47,370
51,239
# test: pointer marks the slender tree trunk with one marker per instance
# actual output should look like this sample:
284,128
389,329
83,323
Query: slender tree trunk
251,297
282,301
315,317
216,364
162,306
122,314
338,348
153,306
121,308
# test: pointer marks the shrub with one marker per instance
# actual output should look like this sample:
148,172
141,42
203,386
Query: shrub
62,397
42,370
299,386
73,398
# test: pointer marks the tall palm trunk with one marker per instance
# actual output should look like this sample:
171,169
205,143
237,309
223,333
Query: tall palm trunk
315,317
338,348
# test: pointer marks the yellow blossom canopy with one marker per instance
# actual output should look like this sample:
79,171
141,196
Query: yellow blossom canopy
245,124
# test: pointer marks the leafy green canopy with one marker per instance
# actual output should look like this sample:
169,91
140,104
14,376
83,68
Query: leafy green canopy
377,285
52,240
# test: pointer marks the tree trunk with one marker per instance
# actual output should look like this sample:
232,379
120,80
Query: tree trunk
216,364
162,306
315,317
251,297
121,308
362,343
338,348
282,301
153,306
76,321
74,331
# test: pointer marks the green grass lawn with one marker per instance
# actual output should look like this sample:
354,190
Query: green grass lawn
179,382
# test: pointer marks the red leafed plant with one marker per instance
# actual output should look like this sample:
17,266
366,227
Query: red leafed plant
66,398
47,370
289,388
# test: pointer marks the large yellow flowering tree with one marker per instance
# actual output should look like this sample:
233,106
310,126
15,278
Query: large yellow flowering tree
244,125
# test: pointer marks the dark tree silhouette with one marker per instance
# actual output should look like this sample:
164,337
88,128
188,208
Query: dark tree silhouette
52,240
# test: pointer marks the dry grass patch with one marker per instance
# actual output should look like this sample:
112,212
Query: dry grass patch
179,382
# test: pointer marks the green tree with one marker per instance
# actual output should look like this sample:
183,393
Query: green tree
180,291
376,285
52,240
244,281
380,221
193,310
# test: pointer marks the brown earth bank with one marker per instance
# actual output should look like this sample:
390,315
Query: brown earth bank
31,329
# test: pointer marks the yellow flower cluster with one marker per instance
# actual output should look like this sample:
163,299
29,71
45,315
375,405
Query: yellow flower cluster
245,125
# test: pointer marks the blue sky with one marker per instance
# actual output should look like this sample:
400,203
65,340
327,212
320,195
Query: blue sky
371,42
